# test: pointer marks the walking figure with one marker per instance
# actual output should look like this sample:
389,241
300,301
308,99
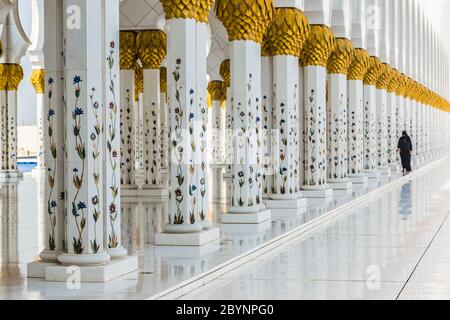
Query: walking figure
405,149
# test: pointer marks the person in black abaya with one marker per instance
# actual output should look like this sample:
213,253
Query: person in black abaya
405,149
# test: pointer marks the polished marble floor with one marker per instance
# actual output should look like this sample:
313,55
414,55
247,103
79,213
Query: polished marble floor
392,246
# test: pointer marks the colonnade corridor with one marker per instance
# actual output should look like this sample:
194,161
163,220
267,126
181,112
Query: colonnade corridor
396,246
157,145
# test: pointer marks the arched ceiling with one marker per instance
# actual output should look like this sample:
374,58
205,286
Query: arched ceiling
149,14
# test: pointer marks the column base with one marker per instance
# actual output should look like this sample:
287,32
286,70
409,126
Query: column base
236,228
37,269
285,204
372,174
187,239
50,256
246,218
10,175
88,259
344,185
191,252
151,194
117,253
216,166
227,175
364,180
320,193
107,272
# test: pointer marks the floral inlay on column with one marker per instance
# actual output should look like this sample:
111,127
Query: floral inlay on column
338,67
52,202
113,154
78,207
96,175
319,46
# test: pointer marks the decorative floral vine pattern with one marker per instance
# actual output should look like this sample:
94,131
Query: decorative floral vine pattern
78,208
113,240
95,138
177,140
52,203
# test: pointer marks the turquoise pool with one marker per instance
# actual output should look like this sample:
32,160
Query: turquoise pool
26,166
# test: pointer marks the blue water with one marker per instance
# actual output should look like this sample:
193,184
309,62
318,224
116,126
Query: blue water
26,166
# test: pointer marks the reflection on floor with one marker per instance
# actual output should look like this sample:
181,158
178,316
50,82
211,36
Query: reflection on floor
380,240
394,247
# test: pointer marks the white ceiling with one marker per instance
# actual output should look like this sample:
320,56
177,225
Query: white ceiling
149,14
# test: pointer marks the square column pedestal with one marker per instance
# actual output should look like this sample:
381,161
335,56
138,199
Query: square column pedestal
373,174
385,171
148,194
187,239
54,272
340,185
10,175
286,206
241,217
326,193
361,180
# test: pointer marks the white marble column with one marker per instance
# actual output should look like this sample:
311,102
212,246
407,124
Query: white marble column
54,139
382,119
186,52
151,52
319,46
286,156
337,115
127,109
229,136
267,120
245,55
370,127
164,121
356,73
37,79
84,138
11,75
392,124
138,116
216,91
200,131
111,128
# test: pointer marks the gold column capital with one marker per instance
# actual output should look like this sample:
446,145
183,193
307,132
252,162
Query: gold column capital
225,73
245,19
37,80
138,81
187,9
216,90
184,9
374,71
266,50
341,58
11,74
163,79
319,46
409,87
203,9
359,66
288,32
385,77
151,48
394,82
127,50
